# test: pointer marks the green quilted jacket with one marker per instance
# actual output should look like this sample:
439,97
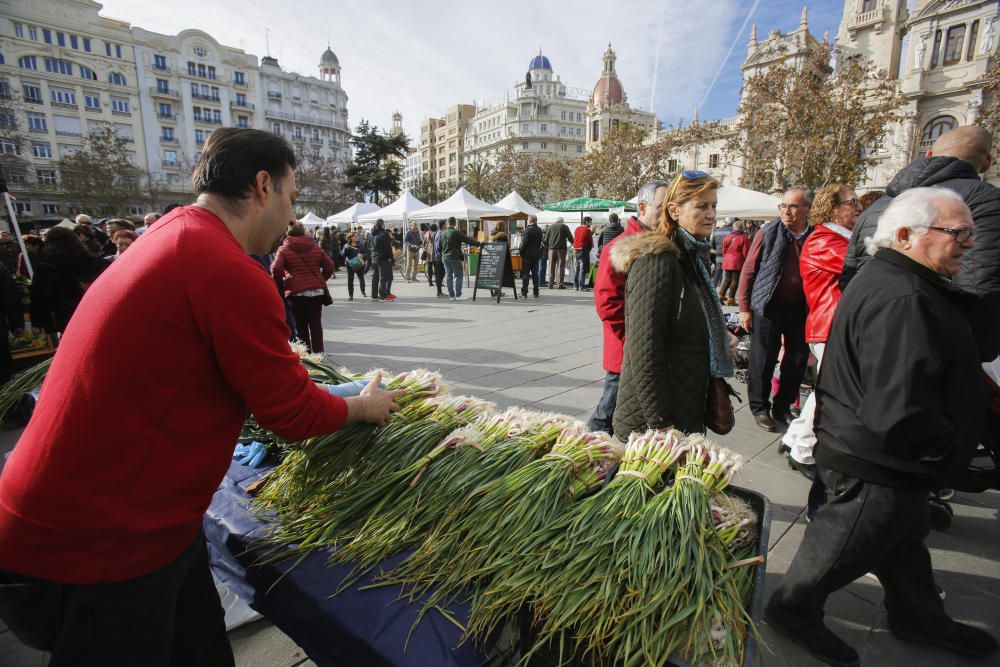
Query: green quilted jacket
664,378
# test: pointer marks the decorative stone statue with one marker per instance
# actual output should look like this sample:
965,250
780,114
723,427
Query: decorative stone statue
987,46
918,58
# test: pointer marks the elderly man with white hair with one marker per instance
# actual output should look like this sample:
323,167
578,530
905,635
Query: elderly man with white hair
899,410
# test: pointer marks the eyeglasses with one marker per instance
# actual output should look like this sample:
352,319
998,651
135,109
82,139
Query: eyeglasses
850,202
790,207
960,235
688,176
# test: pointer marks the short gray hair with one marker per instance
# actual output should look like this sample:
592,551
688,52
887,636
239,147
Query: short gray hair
806,191
916,209
648,191
532,218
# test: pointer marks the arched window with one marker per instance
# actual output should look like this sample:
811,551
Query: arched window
117,79
87,73
27,62
937,127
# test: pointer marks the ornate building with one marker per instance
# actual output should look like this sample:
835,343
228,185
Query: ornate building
441,143
542,116
608,106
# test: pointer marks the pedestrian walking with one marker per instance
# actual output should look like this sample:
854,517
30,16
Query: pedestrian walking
356,265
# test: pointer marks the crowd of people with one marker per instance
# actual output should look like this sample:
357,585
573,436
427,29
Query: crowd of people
897,303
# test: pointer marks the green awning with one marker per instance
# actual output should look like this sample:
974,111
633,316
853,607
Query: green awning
588,204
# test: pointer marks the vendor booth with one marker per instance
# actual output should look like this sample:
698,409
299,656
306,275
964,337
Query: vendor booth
349,216
396,214
311,221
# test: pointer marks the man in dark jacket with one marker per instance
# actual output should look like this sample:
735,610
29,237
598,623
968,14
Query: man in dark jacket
556,238
893,420
956,161
531,252
450,244
773,306
612,231
381,263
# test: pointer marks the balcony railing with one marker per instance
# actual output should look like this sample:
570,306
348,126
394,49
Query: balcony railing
202,96
161,68
168,140
274,94
170,164
39,130
316,140
207,119
166,116
164,92
67,133
241,84
299,118
241,105
863,19
65,105
208,75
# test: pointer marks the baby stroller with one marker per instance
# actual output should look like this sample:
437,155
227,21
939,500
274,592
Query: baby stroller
742,358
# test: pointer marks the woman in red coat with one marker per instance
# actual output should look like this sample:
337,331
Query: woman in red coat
305,268
834,213
734,253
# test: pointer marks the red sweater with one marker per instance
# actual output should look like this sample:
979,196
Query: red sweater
137,420
609,298
302,265
583,239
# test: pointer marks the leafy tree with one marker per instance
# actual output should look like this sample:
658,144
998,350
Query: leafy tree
321,186
101,178
13,140
476,180
512,170
813,125
990,116
621,163
426,190
552,180
375,171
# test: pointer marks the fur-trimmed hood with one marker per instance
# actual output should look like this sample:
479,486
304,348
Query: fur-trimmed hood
628,249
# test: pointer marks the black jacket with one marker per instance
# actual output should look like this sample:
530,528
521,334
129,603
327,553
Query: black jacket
664,378
900,397
58,286
557,236
980,272
612,231
381,246
531,242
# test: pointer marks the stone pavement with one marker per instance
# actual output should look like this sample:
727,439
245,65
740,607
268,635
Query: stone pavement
545,353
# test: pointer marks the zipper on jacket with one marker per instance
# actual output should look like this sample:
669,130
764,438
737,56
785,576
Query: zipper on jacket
680,303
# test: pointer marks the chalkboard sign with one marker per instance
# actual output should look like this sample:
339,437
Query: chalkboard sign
495,270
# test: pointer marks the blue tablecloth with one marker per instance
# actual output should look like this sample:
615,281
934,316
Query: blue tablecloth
356,627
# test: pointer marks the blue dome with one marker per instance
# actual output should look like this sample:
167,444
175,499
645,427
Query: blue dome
540,62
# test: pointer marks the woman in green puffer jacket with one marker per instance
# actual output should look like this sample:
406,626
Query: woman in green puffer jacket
675,335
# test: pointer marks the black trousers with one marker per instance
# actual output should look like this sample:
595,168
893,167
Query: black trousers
381,279
776,322
529,269
170,617
351,272
309,320
864,528
438,274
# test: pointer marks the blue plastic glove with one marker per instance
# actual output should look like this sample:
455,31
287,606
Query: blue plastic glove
251,455
347,389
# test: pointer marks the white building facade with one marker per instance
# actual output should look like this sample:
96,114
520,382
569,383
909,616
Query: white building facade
541,117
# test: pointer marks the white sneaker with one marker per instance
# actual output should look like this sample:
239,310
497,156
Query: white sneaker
451,298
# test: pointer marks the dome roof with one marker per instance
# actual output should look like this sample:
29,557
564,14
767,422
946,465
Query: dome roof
608,91
329,59
540,62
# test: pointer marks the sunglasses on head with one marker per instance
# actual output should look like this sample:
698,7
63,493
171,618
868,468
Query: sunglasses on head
687,176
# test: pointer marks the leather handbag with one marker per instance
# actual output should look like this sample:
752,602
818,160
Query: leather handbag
327,297
719,414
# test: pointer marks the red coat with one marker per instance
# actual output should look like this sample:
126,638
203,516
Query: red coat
609,297
583,239
820,264
302,265
734,251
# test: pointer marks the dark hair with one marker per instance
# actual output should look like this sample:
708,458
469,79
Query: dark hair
296,229
434,227
124,234
587,218
62,242
121,222
233,156
452,222
169,207
613,218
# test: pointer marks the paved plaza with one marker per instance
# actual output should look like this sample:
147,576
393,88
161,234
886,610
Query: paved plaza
545,354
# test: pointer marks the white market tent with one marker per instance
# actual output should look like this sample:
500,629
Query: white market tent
736,202
398,212
312,220
350,215
462,205
516,202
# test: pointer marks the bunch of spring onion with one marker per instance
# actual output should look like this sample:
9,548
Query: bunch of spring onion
680,597
319,370
300,488
412,501
491,532
14,390
566,574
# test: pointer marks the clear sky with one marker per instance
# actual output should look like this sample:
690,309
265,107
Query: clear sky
422,56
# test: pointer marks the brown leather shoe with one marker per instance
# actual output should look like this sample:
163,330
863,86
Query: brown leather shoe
765,422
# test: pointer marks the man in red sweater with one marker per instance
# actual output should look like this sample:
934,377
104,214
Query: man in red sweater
609,298
583,243
102,559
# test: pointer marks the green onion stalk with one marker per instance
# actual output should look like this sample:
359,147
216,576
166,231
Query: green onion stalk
298,493
487,535
680,598
415,499
14,389
563,573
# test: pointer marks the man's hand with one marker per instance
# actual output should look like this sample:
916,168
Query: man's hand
374,405
733,342
746,321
